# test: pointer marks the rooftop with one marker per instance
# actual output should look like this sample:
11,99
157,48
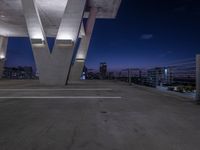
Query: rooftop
95,115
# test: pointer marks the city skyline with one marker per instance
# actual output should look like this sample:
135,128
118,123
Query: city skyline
99,74
141,36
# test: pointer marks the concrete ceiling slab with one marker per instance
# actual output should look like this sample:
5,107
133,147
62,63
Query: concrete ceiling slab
12,22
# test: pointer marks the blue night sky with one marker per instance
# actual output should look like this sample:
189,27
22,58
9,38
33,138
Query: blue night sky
145,33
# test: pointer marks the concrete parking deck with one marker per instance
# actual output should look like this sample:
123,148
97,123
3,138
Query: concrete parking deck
95,115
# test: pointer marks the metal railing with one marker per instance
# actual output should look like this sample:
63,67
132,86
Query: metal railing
182,76
179,76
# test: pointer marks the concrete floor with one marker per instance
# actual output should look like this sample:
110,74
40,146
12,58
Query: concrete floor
121,117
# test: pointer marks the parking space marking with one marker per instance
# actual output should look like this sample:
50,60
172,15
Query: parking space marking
70,89
60,97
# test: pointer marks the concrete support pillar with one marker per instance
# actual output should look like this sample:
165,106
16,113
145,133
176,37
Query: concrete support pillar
3,50
78,66
198,78
54,67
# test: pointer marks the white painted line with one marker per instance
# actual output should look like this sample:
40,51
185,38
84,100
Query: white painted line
60,97
91,89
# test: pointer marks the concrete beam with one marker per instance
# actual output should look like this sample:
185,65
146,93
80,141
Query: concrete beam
78,66
3,50
54,67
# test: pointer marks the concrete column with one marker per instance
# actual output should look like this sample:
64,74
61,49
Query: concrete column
198,78
3,50
82,31
54,67
78,66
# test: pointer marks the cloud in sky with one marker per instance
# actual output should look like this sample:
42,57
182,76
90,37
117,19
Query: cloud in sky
146,36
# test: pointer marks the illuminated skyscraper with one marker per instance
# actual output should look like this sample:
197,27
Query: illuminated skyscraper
103,69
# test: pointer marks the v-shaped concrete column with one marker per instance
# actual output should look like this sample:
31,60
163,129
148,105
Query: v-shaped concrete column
54,67
3,50
78,66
